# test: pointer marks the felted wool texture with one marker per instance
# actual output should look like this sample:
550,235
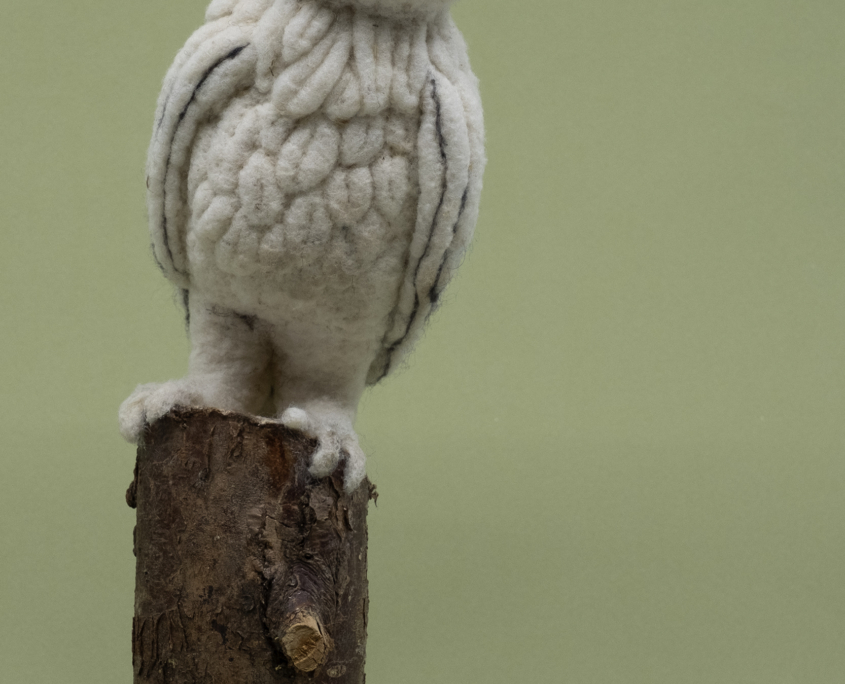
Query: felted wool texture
313,183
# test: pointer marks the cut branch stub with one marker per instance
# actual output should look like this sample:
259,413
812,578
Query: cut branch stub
248,569
305,641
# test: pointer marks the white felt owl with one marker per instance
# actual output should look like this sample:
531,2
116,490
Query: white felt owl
313,182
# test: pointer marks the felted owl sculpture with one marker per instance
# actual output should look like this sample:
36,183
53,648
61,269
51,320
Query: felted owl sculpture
313,183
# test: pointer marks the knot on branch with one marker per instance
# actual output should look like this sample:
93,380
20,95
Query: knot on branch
305,641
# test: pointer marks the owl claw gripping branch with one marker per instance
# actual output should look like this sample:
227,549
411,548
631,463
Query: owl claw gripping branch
314,178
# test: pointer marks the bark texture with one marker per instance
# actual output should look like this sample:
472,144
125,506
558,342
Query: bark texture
249,571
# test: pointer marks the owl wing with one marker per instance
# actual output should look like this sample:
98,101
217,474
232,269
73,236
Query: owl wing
450,163
214,65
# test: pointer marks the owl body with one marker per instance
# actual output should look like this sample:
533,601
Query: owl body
313,182
327,243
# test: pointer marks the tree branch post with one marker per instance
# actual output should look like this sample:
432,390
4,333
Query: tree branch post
249,570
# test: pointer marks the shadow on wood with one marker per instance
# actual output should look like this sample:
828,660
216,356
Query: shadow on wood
248,569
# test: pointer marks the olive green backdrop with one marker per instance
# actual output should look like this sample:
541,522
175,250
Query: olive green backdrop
617,455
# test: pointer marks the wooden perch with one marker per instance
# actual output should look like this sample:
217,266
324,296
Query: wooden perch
249,571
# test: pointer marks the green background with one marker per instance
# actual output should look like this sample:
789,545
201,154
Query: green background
617,455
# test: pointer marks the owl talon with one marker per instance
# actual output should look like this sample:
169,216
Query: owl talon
150,402
355,469
333,449
324,461
297,419
338,442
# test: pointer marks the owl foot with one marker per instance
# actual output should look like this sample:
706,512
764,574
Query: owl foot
150,402
338,441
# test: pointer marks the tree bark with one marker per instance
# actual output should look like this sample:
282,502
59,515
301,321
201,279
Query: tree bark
249,571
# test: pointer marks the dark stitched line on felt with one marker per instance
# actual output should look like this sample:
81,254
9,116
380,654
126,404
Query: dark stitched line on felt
248,321
441,140
433,294
186,302
163,110
155,258
234,53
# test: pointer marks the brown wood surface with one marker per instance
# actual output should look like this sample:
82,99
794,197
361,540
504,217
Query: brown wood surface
249,571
